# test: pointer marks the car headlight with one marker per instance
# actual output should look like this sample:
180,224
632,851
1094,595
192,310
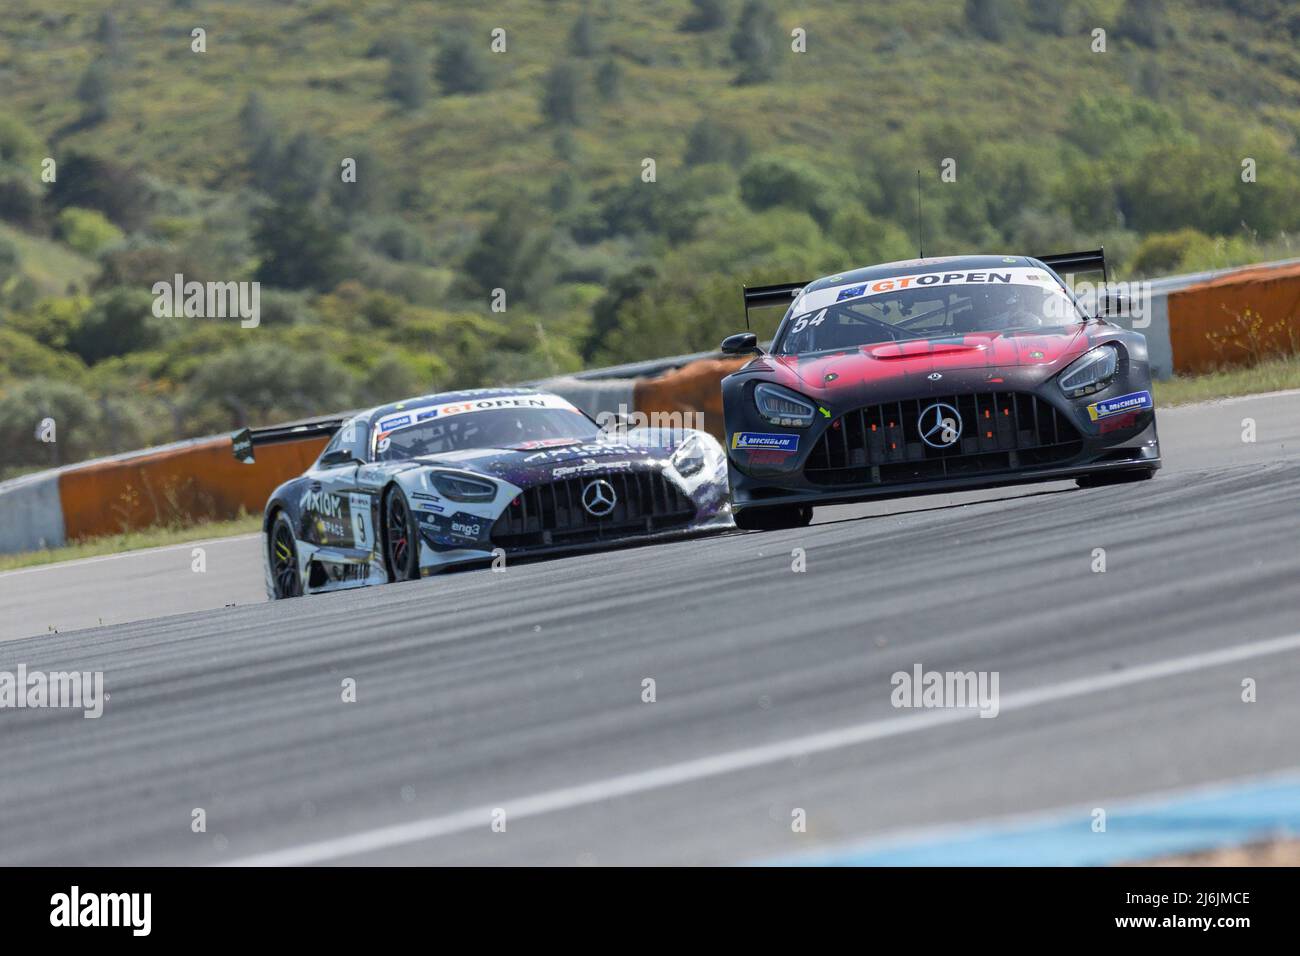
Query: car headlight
460,487
1090,373
780,406
689,457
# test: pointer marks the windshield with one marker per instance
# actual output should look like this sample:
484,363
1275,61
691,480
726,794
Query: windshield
497,428
909,307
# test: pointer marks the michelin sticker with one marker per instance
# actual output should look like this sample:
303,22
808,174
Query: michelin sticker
1132,402
770,442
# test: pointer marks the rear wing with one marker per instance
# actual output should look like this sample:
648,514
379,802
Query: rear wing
761,295
1091,261
767,295
244,441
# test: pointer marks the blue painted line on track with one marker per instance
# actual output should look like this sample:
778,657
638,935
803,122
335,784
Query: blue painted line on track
1141,829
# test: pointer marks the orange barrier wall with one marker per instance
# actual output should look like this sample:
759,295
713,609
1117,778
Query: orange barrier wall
695,387
1236,319
201,481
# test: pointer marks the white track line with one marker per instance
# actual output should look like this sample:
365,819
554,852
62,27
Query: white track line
747,758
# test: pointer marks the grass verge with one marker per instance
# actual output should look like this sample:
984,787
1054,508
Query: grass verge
132,541
1274,375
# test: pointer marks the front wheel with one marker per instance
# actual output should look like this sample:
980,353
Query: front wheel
1104,478
774,519
282,550
401,539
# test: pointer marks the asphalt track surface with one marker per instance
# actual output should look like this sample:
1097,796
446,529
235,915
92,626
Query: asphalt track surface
521,691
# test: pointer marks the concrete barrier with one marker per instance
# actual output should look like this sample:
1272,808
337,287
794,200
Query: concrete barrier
179,485
1236,319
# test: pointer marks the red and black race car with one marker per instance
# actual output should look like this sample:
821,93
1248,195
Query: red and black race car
934,375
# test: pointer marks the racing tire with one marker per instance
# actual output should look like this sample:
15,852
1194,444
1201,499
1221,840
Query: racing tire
401,538
1102,479
282,555
774,519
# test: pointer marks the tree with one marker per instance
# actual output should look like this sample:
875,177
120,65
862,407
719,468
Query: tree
18,144
302,169
462,66
108,33
582,36
299,249
561,92
712,142
987,18
90,182
9,260
707,15
118,322
261,139
1145,22
95,92
753,43
605,313
609,81
364,195
26,405
263,382
407,70
1058,17
769,181
508,252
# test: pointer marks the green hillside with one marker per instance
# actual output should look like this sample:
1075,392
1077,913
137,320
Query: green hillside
523,170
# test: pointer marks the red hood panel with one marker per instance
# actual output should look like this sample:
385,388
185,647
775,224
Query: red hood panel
874,363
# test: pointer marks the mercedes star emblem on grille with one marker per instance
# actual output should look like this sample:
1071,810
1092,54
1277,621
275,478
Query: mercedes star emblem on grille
939,425
598,497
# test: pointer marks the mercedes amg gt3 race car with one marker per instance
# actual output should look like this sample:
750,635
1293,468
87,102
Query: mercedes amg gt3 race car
933,375
460,478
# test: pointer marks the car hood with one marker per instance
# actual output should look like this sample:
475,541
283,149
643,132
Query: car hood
548,461
851,369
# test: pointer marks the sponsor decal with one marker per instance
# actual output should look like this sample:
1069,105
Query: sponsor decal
485,404
465,528
458,531
819,298
242,446
1117,423
765,457
564,471
1131,402
323,503
765,440
585,451
348,572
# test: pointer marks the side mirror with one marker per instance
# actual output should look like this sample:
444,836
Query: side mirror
740,343
339,456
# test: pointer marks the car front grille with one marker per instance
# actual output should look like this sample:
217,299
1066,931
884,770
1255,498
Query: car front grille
552,514
1001,431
